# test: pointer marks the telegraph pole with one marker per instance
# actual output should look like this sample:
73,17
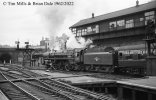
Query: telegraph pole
17,43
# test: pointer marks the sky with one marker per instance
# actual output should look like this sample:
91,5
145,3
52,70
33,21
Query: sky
32,22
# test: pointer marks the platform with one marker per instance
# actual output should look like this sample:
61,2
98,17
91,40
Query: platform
80,80
126,89
139,89
74,79
55,74
149,82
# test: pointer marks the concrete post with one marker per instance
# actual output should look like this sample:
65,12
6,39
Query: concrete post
120,93
151,65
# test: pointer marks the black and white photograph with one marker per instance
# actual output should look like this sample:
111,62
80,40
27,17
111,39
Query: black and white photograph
77,49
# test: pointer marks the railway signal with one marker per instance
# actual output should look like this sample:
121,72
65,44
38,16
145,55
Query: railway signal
17,42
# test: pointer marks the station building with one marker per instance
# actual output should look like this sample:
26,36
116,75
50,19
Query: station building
122,29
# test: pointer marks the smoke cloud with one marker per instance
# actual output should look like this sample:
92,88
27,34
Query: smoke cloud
53,20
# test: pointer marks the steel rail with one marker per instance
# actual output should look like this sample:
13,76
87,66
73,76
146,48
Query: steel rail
47,90
18,89
59,90
80,91
86,92
23,71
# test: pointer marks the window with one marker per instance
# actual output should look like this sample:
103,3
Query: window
141,19
112,25
84,31
74,30
96,29
89,29
79,33
139,22
149,16
121,23
129,23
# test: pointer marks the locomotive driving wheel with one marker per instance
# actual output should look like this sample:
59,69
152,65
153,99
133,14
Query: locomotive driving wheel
76,67
87,68
55,67
68,67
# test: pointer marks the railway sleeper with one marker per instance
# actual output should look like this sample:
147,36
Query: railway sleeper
62,91
53,92
64,87
79,91
73,92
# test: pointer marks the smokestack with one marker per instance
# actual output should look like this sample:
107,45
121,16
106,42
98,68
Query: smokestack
137,3
92,15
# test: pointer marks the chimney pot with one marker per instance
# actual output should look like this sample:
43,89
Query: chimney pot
137,3
92,15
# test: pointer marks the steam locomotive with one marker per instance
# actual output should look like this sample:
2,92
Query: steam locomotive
97,60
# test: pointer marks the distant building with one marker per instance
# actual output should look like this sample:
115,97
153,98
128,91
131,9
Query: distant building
46,43
5,46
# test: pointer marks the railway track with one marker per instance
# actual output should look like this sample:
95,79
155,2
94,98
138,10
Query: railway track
13,92
63,90
2,77
42,92
22,84
18,73
23,90
23,71
67,89
9,77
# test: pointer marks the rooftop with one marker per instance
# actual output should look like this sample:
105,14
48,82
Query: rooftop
127,11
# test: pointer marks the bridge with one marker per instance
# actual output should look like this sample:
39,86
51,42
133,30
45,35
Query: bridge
9,54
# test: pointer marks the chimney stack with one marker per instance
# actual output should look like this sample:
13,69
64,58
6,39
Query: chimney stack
137,3
92,15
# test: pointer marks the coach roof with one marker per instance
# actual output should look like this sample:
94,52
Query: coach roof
135,9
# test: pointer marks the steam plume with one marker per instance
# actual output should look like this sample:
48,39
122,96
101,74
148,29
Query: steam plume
53,19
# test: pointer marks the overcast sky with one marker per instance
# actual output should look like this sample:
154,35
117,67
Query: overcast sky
31,23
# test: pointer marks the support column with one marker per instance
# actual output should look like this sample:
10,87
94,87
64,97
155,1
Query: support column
149,96
133,95
149,48
106,90
120,93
